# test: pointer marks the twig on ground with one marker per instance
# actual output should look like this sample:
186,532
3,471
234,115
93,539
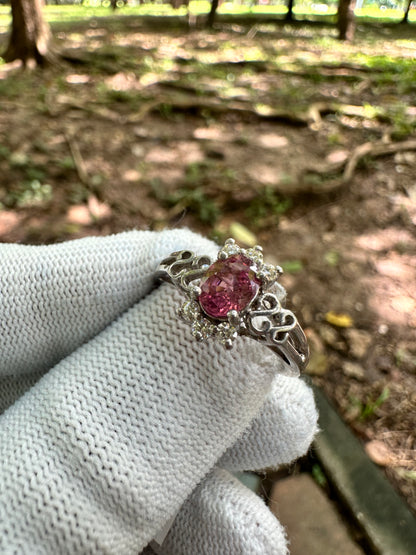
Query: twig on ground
77,158
6,69
374,150
318,179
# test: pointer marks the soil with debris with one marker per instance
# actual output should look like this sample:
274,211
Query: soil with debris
256,125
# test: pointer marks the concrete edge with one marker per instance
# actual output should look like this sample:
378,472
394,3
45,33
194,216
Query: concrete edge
378,510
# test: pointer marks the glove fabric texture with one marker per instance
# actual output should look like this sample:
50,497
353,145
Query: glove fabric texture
114,419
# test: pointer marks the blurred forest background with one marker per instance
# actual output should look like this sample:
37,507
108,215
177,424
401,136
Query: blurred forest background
289,125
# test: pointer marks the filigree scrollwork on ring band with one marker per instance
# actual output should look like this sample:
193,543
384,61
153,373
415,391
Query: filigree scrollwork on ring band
279,329
182,268
263,319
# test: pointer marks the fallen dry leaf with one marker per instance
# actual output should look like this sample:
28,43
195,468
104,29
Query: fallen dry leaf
93,211
98,210
242,235
379,453
8,221
339,320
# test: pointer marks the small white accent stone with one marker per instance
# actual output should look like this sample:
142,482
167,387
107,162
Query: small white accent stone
255,255
190,311
226,333
194,291
229,249
269,274
202,329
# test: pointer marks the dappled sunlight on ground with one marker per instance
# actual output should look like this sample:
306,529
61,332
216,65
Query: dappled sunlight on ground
267,126
392,291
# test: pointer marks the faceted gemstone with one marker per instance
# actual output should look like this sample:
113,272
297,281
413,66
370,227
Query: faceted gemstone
229,284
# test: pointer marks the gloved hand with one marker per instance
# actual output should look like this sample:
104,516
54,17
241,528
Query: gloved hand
222,515
128,415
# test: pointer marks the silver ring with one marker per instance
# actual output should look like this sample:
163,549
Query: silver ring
238,294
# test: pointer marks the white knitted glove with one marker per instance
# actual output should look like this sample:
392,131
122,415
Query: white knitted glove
131,413
222,515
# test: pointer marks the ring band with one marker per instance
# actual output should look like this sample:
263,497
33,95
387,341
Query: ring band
233,296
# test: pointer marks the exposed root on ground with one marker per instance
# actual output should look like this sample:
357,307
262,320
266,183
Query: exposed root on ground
323,180
77,158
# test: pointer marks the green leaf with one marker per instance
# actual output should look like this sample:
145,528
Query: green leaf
292,266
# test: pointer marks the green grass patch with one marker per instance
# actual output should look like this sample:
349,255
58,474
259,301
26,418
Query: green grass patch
28,193
317,11
292,266
368,408
266,208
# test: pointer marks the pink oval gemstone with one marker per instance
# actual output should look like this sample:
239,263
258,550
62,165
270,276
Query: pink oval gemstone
229,284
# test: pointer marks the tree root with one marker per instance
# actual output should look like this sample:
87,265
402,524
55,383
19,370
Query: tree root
374,150
321,180
77,159
182,97
8,68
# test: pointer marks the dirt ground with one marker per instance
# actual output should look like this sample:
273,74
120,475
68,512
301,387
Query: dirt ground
254,124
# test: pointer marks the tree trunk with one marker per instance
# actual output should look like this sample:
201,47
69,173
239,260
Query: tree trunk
346,21
406,13
211,15
289,14
30,34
